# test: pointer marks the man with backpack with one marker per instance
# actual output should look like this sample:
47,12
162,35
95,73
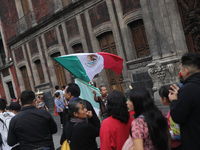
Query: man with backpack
5,118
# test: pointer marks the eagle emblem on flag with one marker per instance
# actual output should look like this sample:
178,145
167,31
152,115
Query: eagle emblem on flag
92,60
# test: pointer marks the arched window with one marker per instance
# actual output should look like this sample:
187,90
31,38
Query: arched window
78,48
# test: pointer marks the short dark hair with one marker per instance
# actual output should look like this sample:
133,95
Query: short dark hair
191,59
101,87
63,86
72,106
2,104
74,89
27,97
15,106
117,107
57,94
56,87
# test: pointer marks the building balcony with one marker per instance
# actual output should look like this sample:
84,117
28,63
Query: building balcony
26,22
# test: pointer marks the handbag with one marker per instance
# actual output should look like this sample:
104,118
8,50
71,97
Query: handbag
128,145
65,145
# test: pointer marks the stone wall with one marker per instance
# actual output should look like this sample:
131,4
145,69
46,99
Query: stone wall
58,29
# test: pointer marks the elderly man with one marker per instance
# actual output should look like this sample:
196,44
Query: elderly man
185,106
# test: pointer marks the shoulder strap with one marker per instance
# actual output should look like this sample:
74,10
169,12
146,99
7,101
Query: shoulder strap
4,124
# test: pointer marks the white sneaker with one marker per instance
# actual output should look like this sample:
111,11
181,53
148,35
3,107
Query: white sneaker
61,125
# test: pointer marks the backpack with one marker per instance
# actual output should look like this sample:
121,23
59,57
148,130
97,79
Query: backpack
65,145
5,118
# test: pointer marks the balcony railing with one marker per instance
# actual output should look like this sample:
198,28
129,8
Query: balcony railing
25,23
29,20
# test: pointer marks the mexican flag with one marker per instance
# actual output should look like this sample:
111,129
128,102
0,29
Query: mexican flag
86,65
87,93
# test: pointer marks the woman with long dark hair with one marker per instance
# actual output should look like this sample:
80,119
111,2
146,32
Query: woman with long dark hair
80,135
116,128
149,128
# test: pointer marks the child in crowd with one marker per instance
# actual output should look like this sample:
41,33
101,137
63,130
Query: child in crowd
173,127
41,104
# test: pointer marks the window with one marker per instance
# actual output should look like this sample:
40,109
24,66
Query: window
5,72
2,53
78,48
25,78
139,38
11,90
40,72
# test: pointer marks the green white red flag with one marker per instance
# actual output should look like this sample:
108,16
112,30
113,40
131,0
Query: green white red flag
86,65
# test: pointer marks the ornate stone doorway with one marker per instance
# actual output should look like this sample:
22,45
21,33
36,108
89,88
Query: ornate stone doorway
190,16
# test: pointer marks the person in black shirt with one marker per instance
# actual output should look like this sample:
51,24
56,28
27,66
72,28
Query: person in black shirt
185,103
80,135
72,92
32,128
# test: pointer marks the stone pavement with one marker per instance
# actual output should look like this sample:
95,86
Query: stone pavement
56,137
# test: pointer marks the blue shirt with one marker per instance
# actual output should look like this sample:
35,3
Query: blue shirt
73,99
59,104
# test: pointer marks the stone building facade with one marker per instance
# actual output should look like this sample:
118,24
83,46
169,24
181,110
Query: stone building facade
8,80
150,35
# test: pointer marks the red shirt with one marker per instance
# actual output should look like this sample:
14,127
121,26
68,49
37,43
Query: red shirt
114,133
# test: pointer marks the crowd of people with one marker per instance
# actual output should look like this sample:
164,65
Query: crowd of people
133,122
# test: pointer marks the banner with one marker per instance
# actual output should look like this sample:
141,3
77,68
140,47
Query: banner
87,93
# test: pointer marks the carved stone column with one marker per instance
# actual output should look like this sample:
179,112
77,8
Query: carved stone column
163,73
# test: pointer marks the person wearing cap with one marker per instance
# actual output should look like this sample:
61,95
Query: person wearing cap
41,104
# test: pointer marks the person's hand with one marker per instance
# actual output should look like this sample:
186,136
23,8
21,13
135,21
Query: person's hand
173,92
89,114
94,92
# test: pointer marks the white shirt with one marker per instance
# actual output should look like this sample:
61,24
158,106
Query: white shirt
5,117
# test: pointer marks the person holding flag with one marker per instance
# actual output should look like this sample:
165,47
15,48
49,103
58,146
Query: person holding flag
72,93
102,100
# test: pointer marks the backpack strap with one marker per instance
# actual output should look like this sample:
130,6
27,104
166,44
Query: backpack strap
4,124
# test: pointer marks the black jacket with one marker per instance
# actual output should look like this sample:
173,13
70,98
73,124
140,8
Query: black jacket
81,135
32,128
94,120
186,112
